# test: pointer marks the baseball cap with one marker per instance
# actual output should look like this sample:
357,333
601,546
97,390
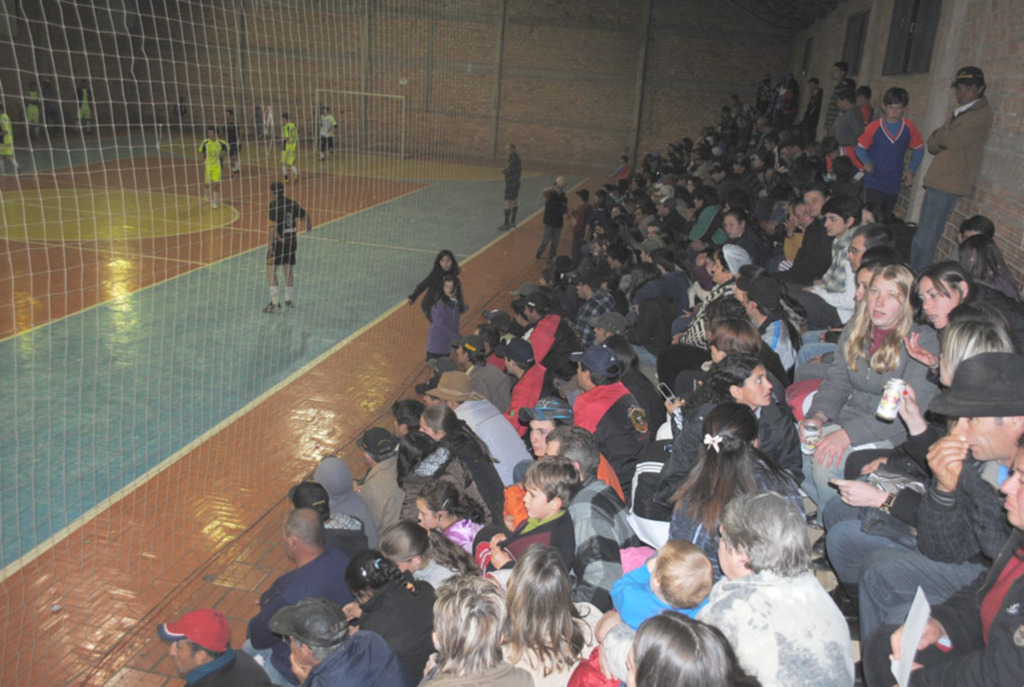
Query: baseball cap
377,441
501,320
969,76
539,301
527,289
599,359
547,408
206,627
471,343
610,321
455,386
516,349
314,621
311,495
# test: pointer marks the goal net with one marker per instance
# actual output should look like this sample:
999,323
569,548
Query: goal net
366,122
154,414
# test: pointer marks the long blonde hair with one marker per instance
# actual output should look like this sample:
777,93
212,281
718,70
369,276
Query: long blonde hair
858,343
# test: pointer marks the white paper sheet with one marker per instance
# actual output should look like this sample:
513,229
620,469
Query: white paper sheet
913,629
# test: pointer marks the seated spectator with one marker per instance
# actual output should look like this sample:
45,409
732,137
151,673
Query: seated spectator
429,556
334,474
392,604
595,302
609,411
678,578
728,464
550,487
598,516
984,262
406,414
469,622
491,336
830,303
771,607
455,389
319,571
441,508
342,531
608,324
674,282
441,424
470,357
546,633
421,462
815,254
761,296
740,227
638,383
871,351
200,649
531,379
974,225
379,487
651,313
323,653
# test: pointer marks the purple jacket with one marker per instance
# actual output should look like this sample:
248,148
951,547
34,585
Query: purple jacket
444,326
463,533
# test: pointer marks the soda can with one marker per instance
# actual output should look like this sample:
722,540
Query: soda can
889,406
812,435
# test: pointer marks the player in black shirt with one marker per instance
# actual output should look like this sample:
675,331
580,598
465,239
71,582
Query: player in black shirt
284,215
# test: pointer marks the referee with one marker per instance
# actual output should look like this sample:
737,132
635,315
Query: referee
284,215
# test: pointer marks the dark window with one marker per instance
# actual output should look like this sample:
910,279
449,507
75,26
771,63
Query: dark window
853,48
911,37
807,55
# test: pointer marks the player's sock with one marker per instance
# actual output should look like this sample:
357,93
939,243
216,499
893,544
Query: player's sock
288,295
295,172
284,172
273,295
513,220
507,213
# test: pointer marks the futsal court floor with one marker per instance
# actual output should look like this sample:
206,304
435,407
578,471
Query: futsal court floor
156,417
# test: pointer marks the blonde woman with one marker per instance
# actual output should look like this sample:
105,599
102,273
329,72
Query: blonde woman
469,617
546,634
870,352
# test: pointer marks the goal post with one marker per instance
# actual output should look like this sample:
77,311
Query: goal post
367,122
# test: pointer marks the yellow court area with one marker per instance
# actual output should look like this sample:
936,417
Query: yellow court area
87,215
266,154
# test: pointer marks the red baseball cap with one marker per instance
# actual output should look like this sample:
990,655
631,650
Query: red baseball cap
206,627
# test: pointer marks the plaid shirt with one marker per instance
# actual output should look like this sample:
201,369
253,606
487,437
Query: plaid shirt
834,279
600,303
599,520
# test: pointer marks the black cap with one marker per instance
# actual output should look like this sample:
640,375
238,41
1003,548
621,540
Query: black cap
377,441
311,495
313,621
968,76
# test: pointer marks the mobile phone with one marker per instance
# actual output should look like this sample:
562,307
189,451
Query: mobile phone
666,392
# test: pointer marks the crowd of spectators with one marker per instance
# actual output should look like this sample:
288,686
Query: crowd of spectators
609,481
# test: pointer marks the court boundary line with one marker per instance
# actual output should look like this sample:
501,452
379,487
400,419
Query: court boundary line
39,549
210,264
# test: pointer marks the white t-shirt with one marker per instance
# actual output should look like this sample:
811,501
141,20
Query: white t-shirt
327,124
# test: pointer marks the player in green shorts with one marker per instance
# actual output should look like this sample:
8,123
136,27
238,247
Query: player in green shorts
213,150
85,107
289,147
33,109
6,140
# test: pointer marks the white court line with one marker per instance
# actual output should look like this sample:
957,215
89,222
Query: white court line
81,520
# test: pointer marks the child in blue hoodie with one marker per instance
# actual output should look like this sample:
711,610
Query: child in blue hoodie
679,578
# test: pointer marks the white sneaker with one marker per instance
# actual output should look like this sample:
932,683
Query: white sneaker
214,205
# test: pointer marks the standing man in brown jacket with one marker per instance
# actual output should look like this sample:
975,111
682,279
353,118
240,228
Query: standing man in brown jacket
957,147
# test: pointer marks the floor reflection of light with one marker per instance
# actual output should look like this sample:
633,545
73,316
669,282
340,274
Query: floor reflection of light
119,282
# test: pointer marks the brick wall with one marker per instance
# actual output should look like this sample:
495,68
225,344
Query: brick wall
989,35
568,74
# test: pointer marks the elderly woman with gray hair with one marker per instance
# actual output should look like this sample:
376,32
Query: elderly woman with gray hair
780,621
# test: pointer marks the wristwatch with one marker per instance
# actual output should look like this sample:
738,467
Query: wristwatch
887,504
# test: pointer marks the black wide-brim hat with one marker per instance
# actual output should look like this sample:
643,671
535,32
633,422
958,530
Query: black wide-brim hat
987,385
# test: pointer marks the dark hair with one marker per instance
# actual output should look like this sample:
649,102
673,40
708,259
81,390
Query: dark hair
737,199
878,257
723,472
407,412
896,96
829,144
369,570
707,194
843,169
863,91
726,307
443,495
979,224
732,370
846,95
982,259
413,448
459,438
584,194
672,649
946,277
818,185
844,206
620,253
405,540
843,67
875,235
732,335
489,334
623,350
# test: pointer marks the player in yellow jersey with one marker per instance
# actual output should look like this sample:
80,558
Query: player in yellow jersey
213,150
6,140
33,110
289,147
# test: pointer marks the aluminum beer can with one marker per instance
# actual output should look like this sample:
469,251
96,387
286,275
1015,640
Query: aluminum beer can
889,406
812,435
